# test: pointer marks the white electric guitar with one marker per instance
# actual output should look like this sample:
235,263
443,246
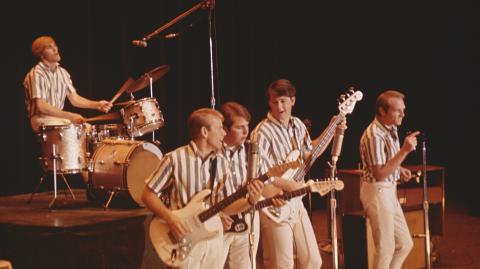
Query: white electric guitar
198,219
321,187
346,105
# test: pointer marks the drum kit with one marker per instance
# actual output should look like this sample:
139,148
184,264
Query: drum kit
112,163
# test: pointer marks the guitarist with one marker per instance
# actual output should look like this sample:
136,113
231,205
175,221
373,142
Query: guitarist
236,246
189,170
279,134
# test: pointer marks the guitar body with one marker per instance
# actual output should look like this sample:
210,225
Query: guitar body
286,212
177,252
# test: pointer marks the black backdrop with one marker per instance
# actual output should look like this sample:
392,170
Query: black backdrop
427,49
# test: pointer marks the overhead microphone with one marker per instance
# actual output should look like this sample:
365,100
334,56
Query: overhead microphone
171,35
140,43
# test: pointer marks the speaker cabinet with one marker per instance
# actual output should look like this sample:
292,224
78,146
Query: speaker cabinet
410,195
358,246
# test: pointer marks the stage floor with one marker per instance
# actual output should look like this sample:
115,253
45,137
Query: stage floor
74,234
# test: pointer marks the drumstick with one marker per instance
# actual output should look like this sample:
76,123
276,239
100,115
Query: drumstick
125,86
109,116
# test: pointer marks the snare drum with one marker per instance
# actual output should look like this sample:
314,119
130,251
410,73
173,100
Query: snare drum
70,148
142,117
122,166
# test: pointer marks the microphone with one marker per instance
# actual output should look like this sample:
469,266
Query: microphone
252,158
171,35
337,142
140,43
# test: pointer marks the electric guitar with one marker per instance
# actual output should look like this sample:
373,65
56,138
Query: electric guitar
321,187
346,105
198,219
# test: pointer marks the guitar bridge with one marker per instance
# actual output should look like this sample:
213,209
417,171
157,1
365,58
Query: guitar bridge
275,211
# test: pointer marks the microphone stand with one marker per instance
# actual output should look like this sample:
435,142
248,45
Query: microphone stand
333,219
425,206
252,173
210,4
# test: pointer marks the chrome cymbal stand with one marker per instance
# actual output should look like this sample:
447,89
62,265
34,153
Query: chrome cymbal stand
151,96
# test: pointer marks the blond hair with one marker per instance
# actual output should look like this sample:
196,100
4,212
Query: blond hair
40,43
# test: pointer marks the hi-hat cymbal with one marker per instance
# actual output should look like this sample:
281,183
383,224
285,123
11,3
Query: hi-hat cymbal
109,116
144,80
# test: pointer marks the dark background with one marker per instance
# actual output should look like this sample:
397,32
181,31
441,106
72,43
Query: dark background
426,49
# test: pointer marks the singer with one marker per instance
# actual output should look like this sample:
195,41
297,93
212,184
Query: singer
236,245
278,135
382,157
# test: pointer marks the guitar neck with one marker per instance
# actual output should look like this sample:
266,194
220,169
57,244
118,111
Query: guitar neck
324,139
241,192
286,196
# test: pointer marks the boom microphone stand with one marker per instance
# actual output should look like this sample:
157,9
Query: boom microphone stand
252,173
210,4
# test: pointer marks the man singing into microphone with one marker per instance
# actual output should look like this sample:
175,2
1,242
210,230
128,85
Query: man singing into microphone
382,157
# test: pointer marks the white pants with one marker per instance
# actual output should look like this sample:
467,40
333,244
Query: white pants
390,232
206,255
281,241
236,247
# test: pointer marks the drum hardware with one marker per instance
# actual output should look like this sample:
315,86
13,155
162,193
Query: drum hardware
112,193
54,158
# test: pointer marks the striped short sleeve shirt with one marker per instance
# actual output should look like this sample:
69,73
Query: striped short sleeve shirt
276,140
378,145
236,158
52,86
187,174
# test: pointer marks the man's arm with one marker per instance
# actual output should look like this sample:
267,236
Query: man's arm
380,172
44,108
156,205
82,102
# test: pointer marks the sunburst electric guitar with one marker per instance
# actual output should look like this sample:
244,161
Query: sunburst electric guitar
198,219
346,105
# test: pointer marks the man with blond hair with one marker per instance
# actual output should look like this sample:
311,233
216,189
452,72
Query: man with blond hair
47,85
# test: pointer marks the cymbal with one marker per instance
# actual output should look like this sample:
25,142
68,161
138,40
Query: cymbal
109,116
144,80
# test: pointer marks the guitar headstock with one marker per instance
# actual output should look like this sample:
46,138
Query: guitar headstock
278,170
347,101
322,187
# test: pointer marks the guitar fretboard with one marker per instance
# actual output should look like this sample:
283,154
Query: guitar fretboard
241,192
323,141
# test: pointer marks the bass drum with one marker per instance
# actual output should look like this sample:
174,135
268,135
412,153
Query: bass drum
120,169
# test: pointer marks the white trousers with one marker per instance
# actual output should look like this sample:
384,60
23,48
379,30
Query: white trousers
390,232
206,255
236,247
281,241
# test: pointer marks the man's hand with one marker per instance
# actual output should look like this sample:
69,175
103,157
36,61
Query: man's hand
104,106
255,189
226,221
176,226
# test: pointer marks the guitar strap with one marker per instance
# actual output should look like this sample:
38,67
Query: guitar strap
213,172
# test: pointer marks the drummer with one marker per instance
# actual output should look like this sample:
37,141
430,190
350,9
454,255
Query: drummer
47,85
